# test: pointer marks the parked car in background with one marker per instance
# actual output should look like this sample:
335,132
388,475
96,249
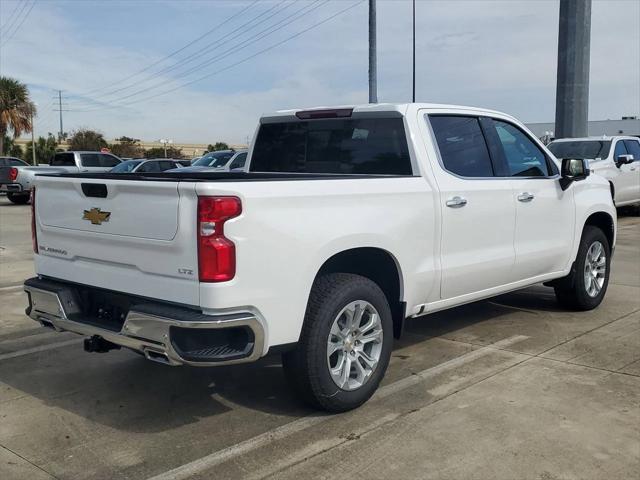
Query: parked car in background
12,162
221,161
349,221
615,158
146,166
16,181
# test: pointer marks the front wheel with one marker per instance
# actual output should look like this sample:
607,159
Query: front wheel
345,345
587,284
18,198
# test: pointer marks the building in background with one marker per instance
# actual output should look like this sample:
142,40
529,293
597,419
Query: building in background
597,128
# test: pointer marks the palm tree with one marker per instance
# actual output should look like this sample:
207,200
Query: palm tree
16,109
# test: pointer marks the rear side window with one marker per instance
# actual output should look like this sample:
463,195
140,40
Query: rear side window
167,165
90,160
524,158
343,146
108,161
63,160
633,147
462,145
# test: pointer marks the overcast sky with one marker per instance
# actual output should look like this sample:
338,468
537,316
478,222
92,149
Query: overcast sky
109,59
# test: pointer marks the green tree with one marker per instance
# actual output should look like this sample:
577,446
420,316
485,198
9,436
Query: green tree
85,139
12,149
217,146
127,147
45,149
16,109
158,152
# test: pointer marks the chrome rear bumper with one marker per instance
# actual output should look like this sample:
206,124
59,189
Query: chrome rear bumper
151,328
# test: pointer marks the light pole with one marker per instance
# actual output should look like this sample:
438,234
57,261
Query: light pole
164,143
373,61
413,95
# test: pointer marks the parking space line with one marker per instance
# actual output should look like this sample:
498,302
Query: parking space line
202,464
10,288
41,348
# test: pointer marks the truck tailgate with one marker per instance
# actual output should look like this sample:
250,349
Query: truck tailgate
122,235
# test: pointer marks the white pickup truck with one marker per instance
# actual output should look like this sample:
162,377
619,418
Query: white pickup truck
615,158
348,221
17,180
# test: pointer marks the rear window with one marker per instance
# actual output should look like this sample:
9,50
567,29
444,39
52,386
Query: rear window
582,150
344,146
14,162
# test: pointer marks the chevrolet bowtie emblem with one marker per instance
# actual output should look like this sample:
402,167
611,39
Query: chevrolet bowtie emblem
96,216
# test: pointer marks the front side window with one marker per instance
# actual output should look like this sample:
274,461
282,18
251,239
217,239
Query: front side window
462,145
364,146
633,147
524,158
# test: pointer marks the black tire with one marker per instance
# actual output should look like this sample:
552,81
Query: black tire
306,366
18,198
571,292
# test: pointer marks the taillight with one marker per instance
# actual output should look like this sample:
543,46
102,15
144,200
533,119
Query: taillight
34,236
13,174
216,253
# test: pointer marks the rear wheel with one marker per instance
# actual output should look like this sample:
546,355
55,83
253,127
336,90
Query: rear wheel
345,344
585,288
18,198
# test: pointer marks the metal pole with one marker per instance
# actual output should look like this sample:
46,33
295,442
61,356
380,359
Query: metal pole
373,68
33,142
413,96
572,91
60,108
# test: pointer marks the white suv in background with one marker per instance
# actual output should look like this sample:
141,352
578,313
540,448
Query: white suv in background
615,158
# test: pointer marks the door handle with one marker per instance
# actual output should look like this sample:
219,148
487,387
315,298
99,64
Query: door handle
526,197
456,202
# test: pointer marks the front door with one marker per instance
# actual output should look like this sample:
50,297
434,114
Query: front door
544,212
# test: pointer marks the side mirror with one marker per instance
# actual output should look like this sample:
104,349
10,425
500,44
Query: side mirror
573,170
624,160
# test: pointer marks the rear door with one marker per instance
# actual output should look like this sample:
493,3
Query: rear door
544,212
478,213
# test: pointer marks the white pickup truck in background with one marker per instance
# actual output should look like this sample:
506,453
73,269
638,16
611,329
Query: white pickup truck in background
17,180
615,158
349,220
